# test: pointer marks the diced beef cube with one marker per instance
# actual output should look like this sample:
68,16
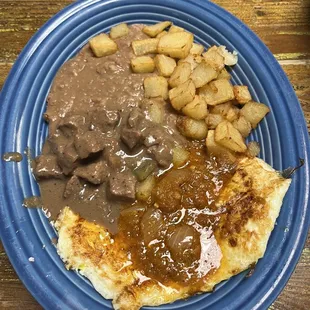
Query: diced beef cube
58,142
122,186
110,154
73,186
162,154
46,167
95,173
131,137
68,158
105,120
88,143
70,125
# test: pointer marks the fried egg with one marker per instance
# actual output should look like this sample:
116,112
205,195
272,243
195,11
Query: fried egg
252,200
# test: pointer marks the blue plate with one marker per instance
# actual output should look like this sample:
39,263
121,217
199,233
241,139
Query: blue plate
283,136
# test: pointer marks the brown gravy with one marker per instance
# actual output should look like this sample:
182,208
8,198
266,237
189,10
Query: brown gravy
12,156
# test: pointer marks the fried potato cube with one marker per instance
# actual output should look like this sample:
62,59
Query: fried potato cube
199,59
181,95
221,108
155,86
165,65
102,45
203,74
216,92
192,128
176,45
254,112
174,29
142,64
228,136
243,126
144,189
196,49
180,157
224,74
180,74
227,110
232,113
242,94
230,59
142,47
214,58
156,112
212,120
217,149
161,34
197,109
189,59
119,31
154,30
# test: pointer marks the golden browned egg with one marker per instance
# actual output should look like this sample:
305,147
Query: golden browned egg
247,208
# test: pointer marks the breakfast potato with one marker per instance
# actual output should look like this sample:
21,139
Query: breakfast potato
196,49
180,74
230,59
165,65
216,92
154,30
232,113
144,189
212,120
102,45
224,74
156,112
243,126
180,156
155,86
189,59
174,29
147,46
227,110
217,149
203,74
254,112
142,64
242,94
183,94
214,58
119,31
228,136
197,109
161,34
192,128
198,59
176,45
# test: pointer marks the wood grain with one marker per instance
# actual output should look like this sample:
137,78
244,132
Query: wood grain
284,26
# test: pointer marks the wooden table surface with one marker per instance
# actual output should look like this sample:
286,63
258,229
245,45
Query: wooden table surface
284,26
